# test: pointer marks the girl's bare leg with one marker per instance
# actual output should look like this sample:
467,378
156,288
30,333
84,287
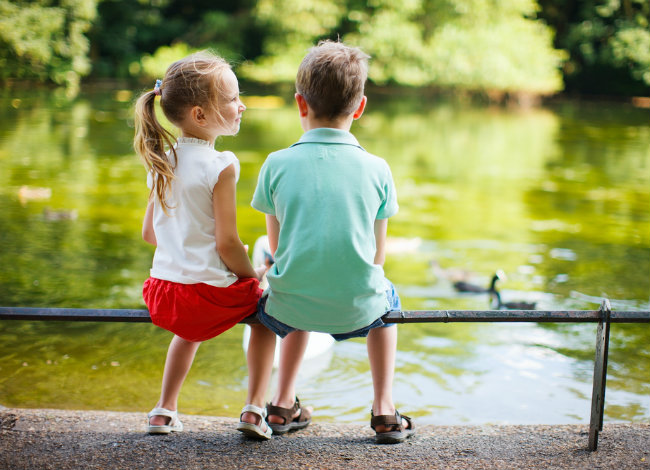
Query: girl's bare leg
180,356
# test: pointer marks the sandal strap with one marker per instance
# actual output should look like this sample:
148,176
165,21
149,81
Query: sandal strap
163,412
387,420
410,424
284,413
261,412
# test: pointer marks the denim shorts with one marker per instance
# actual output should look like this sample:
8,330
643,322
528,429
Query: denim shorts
281,329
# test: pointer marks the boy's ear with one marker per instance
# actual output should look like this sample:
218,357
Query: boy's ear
362,106
303,107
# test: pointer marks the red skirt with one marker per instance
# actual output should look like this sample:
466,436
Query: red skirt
198,312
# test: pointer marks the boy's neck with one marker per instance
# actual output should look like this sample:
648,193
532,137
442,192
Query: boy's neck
309,120
308,123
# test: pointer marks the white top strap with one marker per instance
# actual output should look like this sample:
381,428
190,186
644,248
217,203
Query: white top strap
163,412
254,409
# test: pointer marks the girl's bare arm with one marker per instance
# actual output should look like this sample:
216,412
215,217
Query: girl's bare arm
224,206
148,233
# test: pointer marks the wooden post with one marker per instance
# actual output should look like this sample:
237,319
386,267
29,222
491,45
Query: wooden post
600,375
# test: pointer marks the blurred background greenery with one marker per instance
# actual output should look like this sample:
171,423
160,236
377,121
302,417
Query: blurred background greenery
500,49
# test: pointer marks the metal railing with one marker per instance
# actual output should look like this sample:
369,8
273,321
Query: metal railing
603,316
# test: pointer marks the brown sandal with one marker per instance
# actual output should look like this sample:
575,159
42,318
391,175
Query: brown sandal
397,434
290,423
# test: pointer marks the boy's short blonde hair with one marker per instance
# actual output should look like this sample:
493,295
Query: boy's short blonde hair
331,78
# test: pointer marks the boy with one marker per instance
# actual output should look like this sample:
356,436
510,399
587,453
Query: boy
327,203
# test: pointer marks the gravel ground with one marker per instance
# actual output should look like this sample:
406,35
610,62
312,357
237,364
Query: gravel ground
64,440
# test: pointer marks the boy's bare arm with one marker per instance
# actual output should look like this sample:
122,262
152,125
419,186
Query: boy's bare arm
273,232
381,225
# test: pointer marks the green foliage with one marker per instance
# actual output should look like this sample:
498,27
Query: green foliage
293,25
45,40
126,30
495,47
468,44
630,47
154,66
608,42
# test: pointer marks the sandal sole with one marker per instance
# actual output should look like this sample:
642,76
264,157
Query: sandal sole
253,431
392,437
285,428
162,430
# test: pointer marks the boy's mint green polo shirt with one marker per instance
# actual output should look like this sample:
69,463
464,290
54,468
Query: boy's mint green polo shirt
326,192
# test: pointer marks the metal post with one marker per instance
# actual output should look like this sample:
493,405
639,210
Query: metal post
600,375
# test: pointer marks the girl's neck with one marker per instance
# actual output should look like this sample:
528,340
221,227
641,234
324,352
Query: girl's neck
198,135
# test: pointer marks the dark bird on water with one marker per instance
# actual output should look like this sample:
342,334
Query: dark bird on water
495,297
462,286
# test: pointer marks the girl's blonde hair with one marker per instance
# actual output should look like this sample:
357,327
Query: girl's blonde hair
195,80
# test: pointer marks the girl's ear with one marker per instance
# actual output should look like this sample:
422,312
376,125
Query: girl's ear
198,115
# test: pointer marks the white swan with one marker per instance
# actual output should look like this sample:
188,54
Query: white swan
319,343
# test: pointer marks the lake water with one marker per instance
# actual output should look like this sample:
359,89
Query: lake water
557,197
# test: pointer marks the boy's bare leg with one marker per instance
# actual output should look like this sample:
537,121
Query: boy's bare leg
180,356
382,348
261,349
292,351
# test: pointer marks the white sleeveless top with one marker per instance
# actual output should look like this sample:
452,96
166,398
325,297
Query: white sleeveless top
186,249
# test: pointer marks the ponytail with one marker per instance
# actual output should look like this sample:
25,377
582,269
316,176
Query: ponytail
150,141
192,81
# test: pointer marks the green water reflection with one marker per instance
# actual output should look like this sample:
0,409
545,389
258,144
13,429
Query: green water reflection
558,197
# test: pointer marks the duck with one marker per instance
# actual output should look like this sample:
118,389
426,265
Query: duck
463,286
495,297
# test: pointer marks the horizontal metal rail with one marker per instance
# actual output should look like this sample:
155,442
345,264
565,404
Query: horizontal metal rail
604,317
407,316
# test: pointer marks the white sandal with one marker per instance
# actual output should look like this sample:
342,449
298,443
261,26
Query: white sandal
255,430
174,424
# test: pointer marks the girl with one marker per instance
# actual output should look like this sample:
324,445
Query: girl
201,282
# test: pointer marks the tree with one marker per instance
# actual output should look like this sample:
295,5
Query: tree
608,43
45,40
478,45
127,30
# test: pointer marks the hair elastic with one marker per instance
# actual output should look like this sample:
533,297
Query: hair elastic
156,88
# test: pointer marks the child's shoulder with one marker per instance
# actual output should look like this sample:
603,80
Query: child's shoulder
210,161
282,155
225,155
369,160
224,159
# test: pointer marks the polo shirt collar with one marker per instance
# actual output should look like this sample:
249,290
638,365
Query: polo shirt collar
327,135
